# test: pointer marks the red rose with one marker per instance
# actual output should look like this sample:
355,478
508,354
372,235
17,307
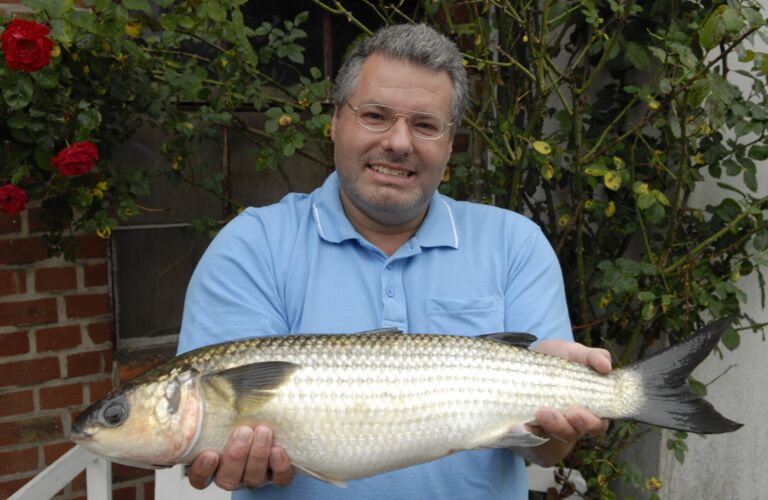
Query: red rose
26,45
76,159
13,199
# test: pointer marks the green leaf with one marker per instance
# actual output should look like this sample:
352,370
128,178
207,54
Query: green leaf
713,29
759,152
637,56
697,387
645,201
216,11
142,5
315,73
731,339
20,95
271,126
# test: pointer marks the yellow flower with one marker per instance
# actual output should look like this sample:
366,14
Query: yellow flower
104,232
654,104
446,175
612,181
610,210
129,211
589,204
547,172
604,300
133,29
327,130
103,185
705,129
525,38
542,147
86,69
56,51
285,120
653,484
642,188
698,159
564,220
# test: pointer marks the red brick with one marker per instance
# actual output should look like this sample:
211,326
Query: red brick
8,488
13,282
58,338
61,396
95,275
78,483
90,246
99,389
126,493
16,403
28,312
10,224
124,473
49,279
149,490
100,333
52,452
86,306
31,430
22,251
29,372
36,224
12,462
12,344
84,363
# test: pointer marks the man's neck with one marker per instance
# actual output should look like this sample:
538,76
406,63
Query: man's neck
387,238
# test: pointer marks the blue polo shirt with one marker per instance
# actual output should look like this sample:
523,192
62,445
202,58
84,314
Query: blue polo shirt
300,267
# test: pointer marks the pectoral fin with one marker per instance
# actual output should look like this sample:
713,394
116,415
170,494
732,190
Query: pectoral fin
249,386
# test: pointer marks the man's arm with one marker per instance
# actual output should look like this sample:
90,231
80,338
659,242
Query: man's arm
565,429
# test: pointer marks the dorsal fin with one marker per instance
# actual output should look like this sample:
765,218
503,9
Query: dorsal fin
518,339
380,331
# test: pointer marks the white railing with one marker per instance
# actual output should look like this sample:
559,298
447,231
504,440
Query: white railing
98,477
172,484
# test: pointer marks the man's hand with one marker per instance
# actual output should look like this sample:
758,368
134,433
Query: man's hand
565,429
248,460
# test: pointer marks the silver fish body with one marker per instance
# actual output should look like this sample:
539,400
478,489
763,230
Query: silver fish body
346,407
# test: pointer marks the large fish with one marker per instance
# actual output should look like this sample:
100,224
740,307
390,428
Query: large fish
335,401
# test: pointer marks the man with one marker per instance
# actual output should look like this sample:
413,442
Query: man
376,246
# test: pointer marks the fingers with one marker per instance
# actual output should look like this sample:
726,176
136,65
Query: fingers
201,470
282,470
599,359
571,426
233,459
249,459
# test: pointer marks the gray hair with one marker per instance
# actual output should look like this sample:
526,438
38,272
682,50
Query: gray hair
418,44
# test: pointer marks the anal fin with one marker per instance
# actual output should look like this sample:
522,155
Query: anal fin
512,437
319,476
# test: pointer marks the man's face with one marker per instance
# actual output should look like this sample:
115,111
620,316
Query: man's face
390,176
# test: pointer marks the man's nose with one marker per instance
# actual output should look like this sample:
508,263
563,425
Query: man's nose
399,138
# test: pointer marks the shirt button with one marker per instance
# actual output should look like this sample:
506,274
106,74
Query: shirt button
390,292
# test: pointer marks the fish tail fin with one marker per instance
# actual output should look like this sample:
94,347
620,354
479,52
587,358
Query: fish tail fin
667,399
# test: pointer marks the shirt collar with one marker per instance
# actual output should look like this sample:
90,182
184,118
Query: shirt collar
437,230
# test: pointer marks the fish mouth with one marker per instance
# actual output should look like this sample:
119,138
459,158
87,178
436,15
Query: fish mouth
79,435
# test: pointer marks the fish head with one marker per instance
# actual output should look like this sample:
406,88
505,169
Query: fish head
152,421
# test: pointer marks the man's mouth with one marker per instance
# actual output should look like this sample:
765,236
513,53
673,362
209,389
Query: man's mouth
390,171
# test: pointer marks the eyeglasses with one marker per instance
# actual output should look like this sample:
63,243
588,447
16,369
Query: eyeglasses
380,118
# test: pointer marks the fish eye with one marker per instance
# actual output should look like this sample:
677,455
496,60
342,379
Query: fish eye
114,414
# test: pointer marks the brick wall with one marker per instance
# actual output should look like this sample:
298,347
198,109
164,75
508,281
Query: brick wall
56,347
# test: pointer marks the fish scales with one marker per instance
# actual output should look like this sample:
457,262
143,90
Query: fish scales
350,406
353,393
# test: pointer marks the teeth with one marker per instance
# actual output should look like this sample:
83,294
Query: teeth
389,171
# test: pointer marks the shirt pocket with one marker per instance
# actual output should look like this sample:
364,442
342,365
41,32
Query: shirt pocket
466,316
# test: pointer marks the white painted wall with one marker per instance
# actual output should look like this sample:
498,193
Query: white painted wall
730,466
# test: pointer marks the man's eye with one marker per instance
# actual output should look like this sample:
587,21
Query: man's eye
426,126
372,116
